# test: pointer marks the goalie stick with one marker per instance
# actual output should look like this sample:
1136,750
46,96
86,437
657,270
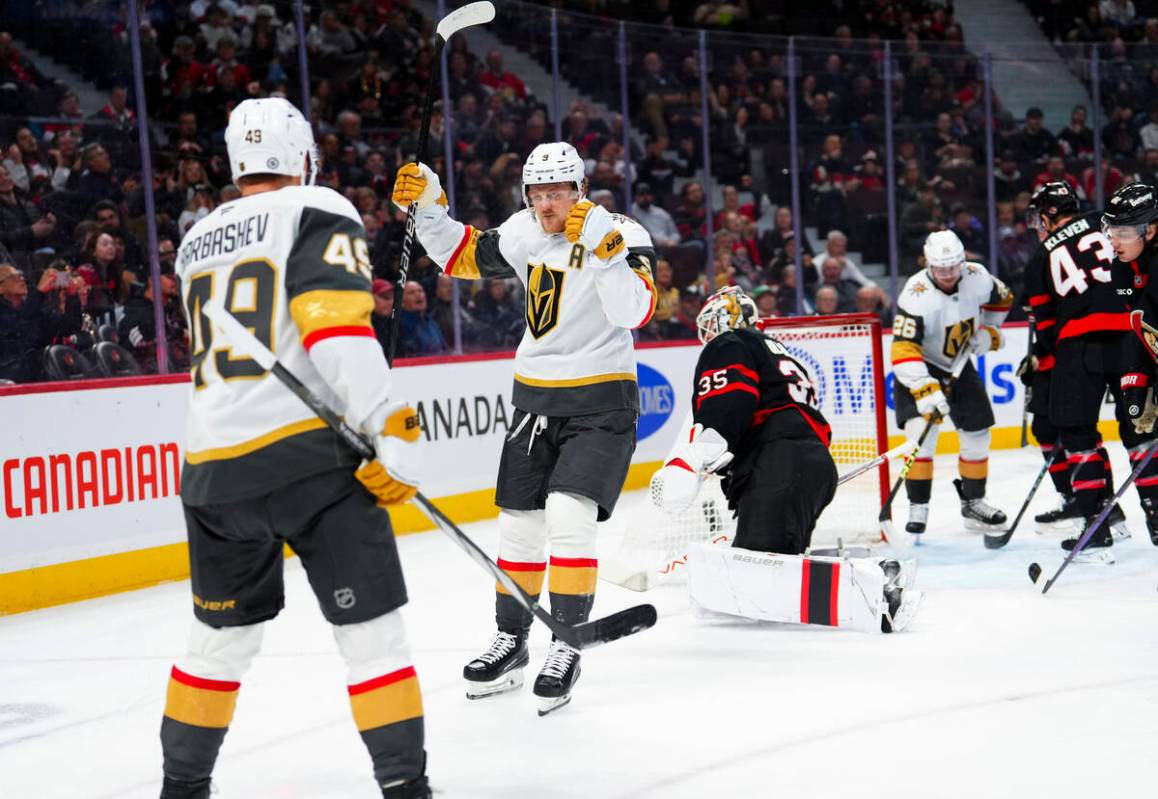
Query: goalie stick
471,14
996,540
580,636
1035,572
644,580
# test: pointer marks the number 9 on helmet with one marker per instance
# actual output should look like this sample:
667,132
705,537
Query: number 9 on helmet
727,309
269,136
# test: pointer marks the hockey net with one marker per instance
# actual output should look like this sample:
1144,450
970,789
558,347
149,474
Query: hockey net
843,354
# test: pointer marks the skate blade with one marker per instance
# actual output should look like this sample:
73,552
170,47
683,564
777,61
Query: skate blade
1101,556
974,526
510,681
910,604
1063,526
552,703
1120,531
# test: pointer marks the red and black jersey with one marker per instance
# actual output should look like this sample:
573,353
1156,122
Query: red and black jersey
1140,293
747,387
1040,302
1079,297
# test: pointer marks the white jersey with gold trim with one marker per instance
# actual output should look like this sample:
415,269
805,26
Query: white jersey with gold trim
577,355
931,325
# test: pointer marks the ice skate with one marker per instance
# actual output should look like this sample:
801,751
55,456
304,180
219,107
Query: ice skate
1117,522
417,788
1097,549
978,514
918,517
178,789
559,675
499,669
1065,516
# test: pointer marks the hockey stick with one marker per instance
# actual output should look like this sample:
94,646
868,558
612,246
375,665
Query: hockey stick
580,636
1146,334
1025,405
997,540
1035,572
934,419
643,580
478,13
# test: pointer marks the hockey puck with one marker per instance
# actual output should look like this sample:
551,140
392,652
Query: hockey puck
1034,572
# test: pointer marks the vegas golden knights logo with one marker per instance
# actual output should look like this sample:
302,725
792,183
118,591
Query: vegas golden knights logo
544,293
957,336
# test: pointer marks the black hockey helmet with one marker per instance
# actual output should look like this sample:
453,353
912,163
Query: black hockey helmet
1053,200
1133,205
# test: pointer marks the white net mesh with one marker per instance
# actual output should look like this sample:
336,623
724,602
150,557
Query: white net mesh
840,357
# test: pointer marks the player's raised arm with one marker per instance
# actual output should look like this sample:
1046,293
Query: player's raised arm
623,259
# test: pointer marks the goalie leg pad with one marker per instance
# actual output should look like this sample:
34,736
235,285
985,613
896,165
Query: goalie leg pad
833,592
522,555
202,695
385,698
573,565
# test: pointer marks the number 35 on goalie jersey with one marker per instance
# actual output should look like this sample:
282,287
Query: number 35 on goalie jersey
292,266
745,379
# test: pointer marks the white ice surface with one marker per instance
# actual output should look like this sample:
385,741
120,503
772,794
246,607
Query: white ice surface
995,691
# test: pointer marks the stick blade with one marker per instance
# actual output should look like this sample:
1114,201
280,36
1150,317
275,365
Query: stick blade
998,540
479,13
609,628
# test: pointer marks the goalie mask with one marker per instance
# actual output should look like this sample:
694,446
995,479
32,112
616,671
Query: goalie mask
554,162
269,136
727,309
944,257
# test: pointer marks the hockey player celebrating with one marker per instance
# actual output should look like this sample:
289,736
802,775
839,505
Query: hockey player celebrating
757,424
950,305
589,283
289,260
1052,207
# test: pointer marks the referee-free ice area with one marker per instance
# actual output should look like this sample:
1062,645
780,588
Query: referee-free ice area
995,690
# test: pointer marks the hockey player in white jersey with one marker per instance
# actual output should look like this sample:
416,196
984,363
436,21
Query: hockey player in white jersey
589,283
950,305
289,260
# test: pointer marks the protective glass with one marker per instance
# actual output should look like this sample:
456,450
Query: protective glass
551,197
946,273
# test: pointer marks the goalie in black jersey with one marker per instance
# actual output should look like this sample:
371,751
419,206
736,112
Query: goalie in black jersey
756,422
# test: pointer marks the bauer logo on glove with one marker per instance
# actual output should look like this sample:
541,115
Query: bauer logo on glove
392,477
592,226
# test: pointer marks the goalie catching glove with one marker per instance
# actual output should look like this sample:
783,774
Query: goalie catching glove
1138,398
392,477
592,226
677,484
930,398
417,183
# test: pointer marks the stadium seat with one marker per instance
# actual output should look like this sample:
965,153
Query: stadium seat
62,362
113,360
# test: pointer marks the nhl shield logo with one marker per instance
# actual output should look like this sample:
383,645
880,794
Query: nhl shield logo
344,598
544,293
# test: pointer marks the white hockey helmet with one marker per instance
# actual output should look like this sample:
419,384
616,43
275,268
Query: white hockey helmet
554,162
944,254
270,136
727,309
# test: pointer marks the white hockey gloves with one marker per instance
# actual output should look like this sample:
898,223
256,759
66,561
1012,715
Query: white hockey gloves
676,485
592,226
986,339
392,477
417,183
930,398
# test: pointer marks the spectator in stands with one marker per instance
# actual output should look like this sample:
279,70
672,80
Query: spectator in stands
969,231
786,293
658,222
31,320
104,274
97,181
683,325
1149,170
872,299
498,79
691,214
137,329
667,296
18,71
656,169
1033,144
1119,136
827,301
23,228
831,272
380,318
1112,178
1055,169
918,220
836,251
1076,139
766,303
500,320
773,241
29,171
1008,179
1119,13
443,307
420,332
199,206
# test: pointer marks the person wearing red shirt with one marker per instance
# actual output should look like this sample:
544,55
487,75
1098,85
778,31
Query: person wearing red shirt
499,80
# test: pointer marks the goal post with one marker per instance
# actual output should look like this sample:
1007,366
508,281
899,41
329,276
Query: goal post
844,355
